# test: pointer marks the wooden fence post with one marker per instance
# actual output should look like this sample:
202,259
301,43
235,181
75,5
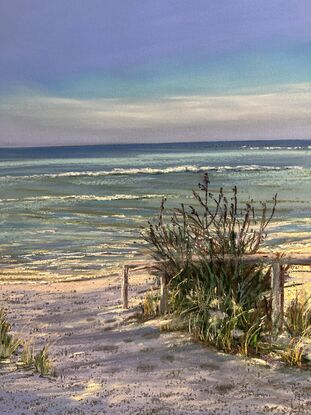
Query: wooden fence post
125,287
277,288
163,299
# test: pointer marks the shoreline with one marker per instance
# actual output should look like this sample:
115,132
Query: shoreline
61,269
11,273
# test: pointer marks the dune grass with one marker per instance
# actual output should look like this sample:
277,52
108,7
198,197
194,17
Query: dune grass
298,315
8,343
42,362
227,303
22,351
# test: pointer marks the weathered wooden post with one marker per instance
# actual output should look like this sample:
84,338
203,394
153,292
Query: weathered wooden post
277,288
163,299
125,287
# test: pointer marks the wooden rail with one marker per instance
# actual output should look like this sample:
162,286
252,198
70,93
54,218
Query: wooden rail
277,280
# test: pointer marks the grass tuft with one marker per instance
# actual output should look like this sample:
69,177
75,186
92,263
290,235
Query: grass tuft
27,356
8,343
42,362
293,355
150,304
298,315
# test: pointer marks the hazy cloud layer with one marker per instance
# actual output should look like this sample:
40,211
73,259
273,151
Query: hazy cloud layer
52,120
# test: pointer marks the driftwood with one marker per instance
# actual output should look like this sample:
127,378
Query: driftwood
277,280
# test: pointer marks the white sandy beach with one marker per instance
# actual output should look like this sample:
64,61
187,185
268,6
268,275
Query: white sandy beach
140,131
107,364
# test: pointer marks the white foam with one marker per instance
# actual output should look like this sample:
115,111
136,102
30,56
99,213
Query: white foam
275,147
152,170
84,197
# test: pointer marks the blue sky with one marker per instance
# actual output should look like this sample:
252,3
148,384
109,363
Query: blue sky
91,71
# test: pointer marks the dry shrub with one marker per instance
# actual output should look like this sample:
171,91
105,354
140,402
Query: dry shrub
195,242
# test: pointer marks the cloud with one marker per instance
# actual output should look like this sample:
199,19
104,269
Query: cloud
37,119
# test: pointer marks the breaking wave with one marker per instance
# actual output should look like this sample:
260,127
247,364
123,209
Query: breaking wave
151,170
248,147
83,198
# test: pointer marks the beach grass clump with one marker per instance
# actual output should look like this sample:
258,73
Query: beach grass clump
9,347
42,362
24,350
203,245
297,323
27,355
8,343
294,353
150,304
298,315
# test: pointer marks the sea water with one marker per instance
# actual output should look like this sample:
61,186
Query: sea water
78,211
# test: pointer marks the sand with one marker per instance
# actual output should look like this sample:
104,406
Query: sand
108,363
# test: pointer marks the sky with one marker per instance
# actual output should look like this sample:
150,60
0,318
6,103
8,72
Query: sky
121,71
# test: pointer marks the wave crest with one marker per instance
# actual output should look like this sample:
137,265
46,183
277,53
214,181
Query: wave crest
249,147
152,170
84,198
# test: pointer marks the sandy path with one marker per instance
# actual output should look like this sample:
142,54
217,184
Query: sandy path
108,366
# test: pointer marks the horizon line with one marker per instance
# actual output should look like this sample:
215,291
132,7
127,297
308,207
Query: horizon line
157,143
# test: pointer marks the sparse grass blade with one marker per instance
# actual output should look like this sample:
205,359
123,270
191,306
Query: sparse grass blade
298,314
42,362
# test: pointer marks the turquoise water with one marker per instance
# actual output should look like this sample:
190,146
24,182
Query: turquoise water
77,211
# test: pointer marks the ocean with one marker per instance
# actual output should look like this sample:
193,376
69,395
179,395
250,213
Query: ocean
76,212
